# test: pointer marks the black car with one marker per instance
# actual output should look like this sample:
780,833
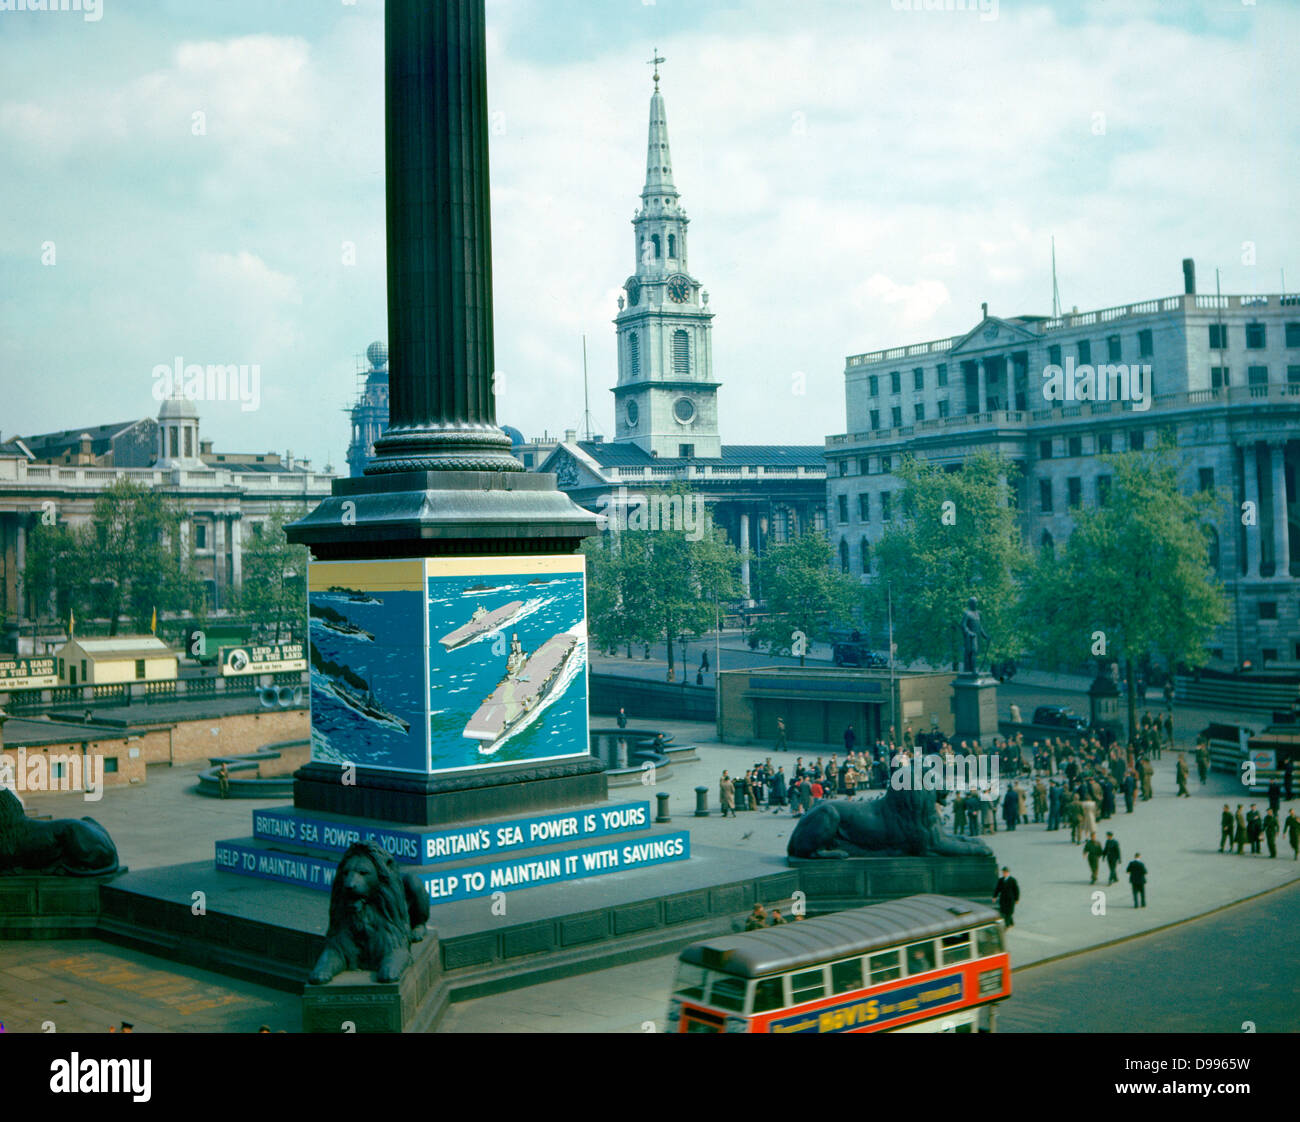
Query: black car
854,652
1058,716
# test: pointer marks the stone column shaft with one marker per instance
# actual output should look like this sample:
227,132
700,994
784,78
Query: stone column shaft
744,546
1250,493
1281,536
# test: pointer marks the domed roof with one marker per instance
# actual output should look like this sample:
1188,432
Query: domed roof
377,353
178,407
516,437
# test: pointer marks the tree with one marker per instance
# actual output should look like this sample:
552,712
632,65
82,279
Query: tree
274,589
1134,576
56,575
959,538
805,593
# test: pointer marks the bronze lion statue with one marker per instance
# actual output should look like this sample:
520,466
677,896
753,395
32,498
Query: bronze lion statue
376,913
65,847
901,824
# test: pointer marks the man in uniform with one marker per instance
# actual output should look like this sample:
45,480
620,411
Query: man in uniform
1254,828
727,795
1148,770
1226,823
1292,828
1181,772
1092,854
1054,806
1129,786
1271,827
1137,877
1040,800
1239,834
1110,851
1202,761
757,919
1006,894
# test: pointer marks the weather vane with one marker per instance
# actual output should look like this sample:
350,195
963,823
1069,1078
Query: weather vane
655,63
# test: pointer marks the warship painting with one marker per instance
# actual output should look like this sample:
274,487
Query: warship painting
519,697
346,685
481,623
337,622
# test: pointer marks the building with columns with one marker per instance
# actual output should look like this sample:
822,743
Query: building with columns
369,415
227,497
1224,385
666,398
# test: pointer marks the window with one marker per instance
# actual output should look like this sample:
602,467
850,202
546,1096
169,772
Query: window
988,940
110,763
1257,375
864,552
1268,654
846,975
920,957
897,413
864,507
681,352
885,505
1137,440
1218,336
1293,334
139,669
1205,479
943,406
84,676
941,372
58,771
1044,449
1074,490
885,967
61,671
875,419
1085,352
808,985
864,466
769,994
1146,346
1255,336
1076,446
1054,355
918,379
920,412
844,467
1293,375
1219,377
842,502
1104,443
686,451
1112,348
873,385
844,556
895,382
672,245
1103,490
956,948
691,981
1268,609
654,241
634,353
1045,496
886,464
728,992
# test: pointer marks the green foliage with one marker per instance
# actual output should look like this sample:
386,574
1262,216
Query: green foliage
274,590
805,594
942,555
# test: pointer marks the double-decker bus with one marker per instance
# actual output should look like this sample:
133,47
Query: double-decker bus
920,964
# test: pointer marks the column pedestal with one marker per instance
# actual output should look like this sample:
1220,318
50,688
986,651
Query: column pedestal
975,707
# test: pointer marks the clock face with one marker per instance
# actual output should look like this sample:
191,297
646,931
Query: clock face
633,413
679,289
633,287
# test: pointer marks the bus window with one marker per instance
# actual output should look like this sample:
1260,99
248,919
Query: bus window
808,985
988,940
728,992
956,948
690,981
885,967
846,975
769,994
920,957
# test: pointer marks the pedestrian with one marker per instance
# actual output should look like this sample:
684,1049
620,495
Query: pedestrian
988,812
622,718
727,795
850,739
757,919
1226,823
223,781
704,662
1181,772
1015,714
1239,834
1148,771
1137,877
699,677
1006,894
807,793
974,811
780,734
1092,854
1292,828
959,812
777,918
1040,800
1073,818
1274,796
1271,827
1107,798
1010,808
1054,806
1129,786
1202,761
1254,828
751,803
777,795
1169,729
1088,808
1110,851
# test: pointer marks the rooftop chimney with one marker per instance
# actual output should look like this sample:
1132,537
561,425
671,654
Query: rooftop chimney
984,310
570,435
1189,276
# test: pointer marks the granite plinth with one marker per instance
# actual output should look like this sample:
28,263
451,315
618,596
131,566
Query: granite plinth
50,907
833,884
975,707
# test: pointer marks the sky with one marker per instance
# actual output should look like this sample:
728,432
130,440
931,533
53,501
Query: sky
204,181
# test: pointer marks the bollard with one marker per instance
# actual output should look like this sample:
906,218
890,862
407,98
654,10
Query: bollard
701,802
662,816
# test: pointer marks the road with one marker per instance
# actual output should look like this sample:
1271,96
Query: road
1216,974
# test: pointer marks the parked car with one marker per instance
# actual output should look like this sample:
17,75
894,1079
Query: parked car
1058,716
852,651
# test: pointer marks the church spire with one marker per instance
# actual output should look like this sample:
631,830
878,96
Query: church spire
659,162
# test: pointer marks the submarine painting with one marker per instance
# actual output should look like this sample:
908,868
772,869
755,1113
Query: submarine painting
448,664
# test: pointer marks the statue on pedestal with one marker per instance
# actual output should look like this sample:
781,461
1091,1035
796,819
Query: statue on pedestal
64,847
972,631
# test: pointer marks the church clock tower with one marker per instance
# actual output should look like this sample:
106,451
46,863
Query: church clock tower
666,400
